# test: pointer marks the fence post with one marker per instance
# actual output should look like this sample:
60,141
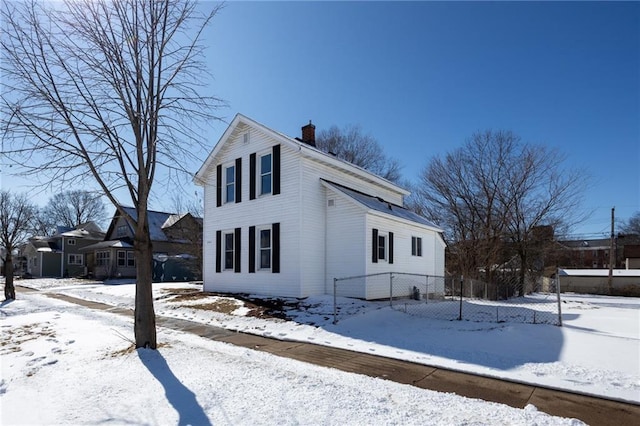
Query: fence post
426,295
558,292
335,301
391,289
461,288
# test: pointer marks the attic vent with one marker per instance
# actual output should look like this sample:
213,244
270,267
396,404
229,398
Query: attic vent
245,139
331,203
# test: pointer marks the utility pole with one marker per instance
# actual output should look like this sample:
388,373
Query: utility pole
611,252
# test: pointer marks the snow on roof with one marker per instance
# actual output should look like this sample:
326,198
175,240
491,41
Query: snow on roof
107,244
172,219
156,222
599,272
380,205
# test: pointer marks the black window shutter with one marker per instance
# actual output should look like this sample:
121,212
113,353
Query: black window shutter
252,249
276,169
252,176
218,251
390,247
238,180
219,185
236,248
275,255
374,246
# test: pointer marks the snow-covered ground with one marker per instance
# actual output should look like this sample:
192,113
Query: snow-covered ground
65,364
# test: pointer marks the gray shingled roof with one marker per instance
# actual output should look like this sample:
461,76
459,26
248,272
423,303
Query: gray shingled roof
380,205
156,220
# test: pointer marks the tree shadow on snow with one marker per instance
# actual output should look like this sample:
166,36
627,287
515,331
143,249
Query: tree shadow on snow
181,398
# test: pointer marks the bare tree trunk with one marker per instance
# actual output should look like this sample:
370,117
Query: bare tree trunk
145,319
9,289
522,273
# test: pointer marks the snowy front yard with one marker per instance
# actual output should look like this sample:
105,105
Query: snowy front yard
62,363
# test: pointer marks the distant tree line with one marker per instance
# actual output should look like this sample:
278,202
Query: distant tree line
499,200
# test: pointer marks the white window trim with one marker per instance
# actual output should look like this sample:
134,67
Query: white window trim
259,173
225,169
385,236
259,230
71,242
224,250
106,259
75,256
416,246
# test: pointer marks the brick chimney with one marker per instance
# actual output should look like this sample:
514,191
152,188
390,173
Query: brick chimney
309,134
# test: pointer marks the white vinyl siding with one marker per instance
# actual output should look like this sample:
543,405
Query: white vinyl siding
317,242
281,208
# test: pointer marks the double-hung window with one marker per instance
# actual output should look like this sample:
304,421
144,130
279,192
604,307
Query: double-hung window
102,258
229,251
265,174
230,184
121,231
131,259
382,247
416,246
265,249
126,258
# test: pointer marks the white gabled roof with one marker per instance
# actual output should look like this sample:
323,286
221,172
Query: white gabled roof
305,150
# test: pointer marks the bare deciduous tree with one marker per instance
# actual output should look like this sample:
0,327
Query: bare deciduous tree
493,195
632,225
16,214
358,148
110,91
73,208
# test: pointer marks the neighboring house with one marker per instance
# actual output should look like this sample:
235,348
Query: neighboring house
284,218
61,255
176,241
584,254
595,253
631,255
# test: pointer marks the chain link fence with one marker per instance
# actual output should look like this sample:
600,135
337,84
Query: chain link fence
504,299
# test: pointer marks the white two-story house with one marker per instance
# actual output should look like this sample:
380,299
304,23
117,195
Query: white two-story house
283,218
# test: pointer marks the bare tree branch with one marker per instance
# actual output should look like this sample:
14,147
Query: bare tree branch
356,147
107,90
493,194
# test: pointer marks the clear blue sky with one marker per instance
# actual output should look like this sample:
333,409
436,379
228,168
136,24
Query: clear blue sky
422,77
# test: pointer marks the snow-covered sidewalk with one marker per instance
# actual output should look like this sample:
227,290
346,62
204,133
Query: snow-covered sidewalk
596,352
65,364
